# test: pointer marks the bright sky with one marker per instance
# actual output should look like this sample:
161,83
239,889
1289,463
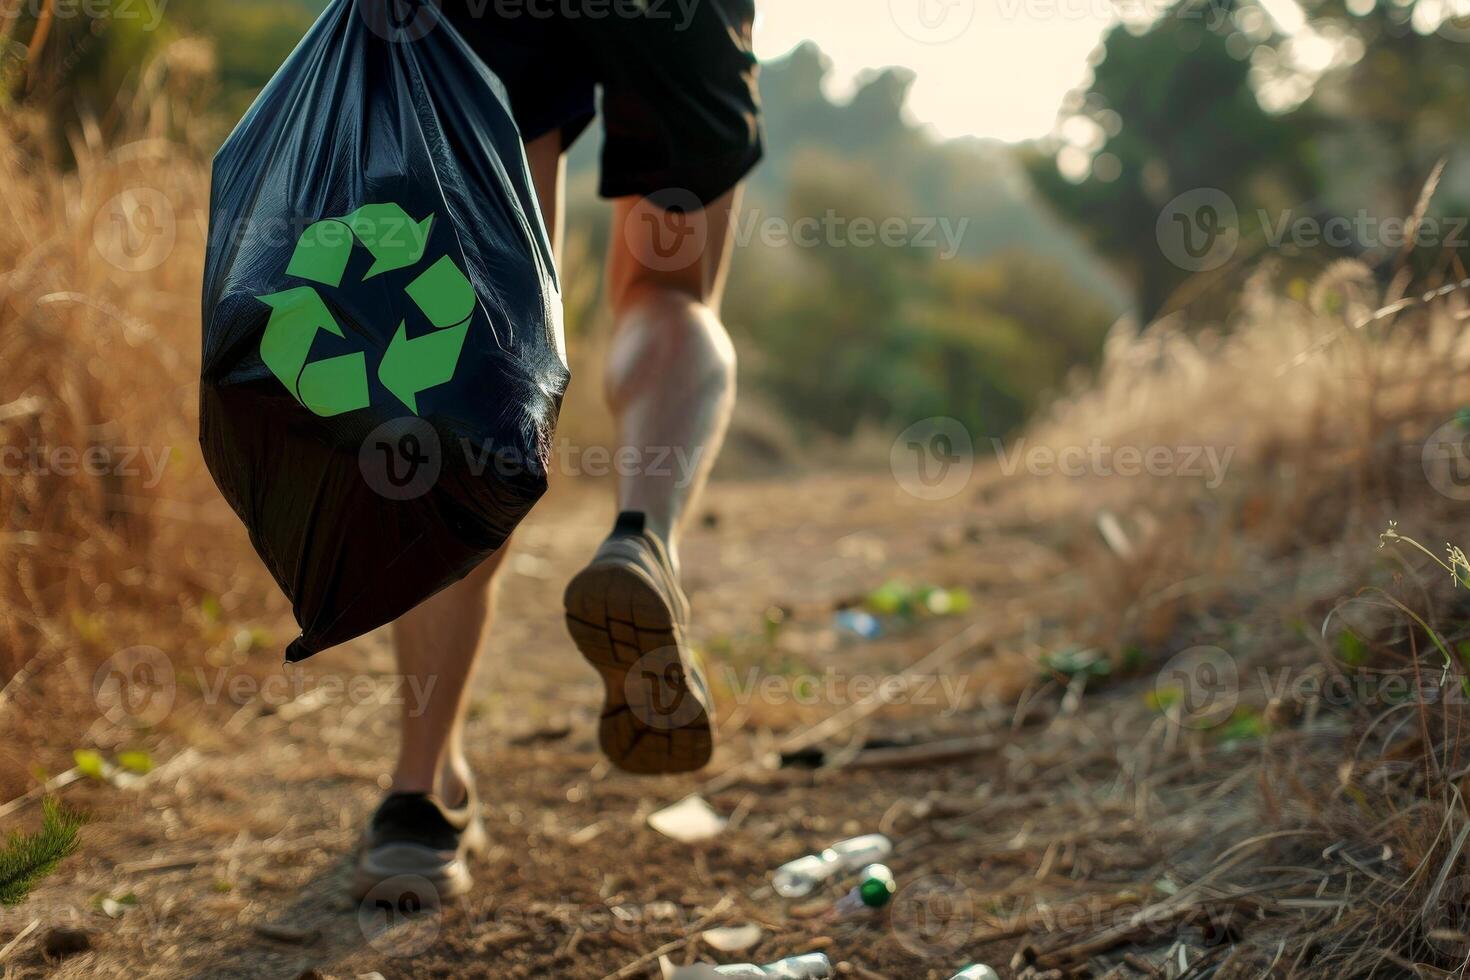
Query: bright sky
996,68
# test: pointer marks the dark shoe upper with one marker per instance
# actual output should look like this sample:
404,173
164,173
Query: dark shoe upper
420,818
632,542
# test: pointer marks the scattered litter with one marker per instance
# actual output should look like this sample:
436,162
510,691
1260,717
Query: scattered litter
114,908
689,820
912,601
978,971
1112,532
796,879
732,939
872,892
696,971
810,966
294,935
587,834
136,761
91,764
59,942
857,623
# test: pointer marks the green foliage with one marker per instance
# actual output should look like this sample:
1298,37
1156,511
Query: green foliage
1244,725
885,335
1172,109
1077,663
25,859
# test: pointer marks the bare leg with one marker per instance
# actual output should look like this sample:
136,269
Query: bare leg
437,642
670,375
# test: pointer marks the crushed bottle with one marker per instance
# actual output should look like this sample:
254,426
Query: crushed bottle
977,971
873,891
799,878
810,966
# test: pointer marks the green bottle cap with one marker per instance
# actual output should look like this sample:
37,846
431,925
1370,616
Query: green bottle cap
877,886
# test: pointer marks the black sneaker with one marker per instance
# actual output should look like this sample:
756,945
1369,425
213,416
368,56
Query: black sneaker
627,613
415,844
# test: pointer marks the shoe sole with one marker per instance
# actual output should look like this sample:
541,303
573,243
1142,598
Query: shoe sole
653,722
407,873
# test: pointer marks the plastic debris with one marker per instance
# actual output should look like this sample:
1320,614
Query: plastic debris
798,878
872,892
810,966
688,821
913,601
978,971
857,623
732,939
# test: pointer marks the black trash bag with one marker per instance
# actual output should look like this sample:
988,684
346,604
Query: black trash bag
382,364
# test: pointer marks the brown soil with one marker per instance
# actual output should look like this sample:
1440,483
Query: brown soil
1090,807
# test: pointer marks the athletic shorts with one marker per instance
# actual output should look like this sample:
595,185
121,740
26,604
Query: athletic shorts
680,108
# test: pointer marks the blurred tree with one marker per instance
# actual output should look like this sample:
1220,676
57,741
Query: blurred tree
1170,108
843,335
1398,104
73,59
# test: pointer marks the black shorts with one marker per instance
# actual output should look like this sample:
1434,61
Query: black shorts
680,108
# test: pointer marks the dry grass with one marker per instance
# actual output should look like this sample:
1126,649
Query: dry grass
1321,825
1325,837
113,534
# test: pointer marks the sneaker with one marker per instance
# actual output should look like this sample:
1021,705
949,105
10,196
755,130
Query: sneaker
415,844
627,614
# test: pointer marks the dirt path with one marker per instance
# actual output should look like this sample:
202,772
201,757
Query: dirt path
230,860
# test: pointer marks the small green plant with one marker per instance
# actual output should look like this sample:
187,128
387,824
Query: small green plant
25,859
1074,663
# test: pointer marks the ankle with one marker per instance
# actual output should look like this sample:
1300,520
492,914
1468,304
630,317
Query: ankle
662,526
453,783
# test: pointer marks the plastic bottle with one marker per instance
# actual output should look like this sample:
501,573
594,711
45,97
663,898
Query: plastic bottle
978,971
872,892
798,878
811,966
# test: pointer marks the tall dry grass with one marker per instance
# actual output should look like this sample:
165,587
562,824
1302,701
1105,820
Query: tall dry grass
1343,851
112,535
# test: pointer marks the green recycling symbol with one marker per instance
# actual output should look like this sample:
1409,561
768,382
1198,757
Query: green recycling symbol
333,385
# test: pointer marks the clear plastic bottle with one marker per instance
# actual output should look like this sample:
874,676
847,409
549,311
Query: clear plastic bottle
978,971
798,878
873,891
810,966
